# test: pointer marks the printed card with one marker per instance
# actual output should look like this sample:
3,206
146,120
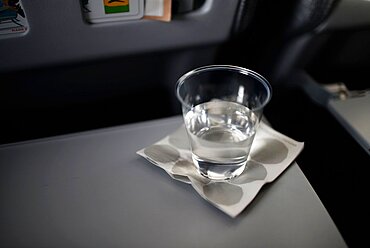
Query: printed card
98,11
13,20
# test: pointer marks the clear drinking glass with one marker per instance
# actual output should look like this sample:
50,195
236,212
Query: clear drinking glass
222,106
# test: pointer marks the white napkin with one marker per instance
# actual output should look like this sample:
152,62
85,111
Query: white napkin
271,153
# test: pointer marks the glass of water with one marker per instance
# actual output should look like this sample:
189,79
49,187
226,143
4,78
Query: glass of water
222,106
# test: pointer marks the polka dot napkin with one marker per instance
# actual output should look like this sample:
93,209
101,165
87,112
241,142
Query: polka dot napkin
271,153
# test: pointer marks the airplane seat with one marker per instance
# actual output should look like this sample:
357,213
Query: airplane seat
316,56
67,75
291,29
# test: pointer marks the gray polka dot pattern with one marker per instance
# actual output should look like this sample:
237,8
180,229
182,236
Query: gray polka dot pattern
273,152
254,171
223,193
162,153
184,167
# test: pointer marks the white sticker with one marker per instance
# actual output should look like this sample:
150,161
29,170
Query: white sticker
13,20
97,11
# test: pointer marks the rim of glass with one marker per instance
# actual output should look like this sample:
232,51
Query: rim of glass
238,69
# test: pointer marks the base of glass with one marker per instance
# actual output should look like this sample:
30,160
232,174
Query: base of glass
219,171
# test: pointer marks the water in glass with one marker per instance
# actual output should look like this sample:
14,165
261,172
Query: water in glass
221,133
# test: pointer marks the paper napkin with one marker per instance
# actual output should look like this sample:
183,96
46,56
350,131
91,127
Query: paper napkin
271,153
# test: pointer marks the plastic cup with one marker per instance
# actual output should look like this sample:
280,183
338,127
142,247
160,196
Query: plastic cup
222,107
